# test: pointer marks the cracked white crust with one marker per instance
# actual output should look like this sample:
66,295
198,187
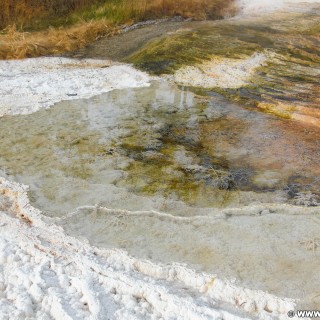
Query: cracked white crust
45,274
29,85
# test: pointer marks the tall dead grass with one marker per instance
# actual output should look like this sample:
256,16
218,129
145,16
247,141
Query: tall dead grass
25,12
125,10
89,20
19,45
198,9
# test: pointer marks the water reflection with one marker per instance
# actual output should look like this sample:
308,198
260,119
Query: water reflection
148,147
287,85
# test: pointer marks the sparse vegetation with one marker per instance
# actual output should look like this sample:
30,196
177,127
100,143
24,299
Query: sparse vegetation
33,28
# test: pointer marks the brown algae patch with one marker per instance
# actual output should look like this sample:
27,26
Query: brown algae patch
280,109
170,174
307,115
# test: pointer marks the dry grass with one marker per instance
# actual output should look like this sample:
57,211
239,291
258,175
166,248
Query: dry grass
124,10
24,12
37,13
198,9
79,22
18,45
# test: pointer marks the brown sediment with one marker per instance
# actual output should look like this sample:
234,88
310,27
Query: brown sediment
288,147
307,115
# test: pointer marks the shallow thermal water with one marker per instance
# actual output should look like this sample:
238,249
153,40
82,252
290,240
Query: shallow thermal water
185,174
161,141
165,149
278,51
